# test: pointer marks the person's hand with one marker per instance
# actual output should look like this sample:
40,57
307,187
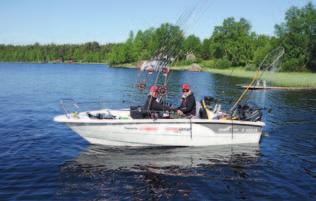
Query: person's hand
172,109
180,113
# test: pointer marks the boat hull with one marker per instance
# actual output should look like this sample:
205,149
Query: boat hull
168,132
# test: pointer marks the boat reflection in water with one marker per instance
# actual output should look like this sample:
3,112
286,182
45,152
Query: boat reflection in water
160,159
154,173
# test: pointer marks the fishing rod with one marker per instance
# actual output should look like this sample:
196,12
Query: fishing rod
170,52
201,7
182,21
278,53
183,18
165,57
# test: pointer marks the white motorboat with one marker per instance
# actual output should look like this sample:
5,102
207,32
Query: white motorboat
118,128
242,124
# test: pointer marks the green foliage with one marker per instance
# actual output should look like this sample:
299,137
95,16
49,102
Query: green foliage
232,40
216,63
165,40
143,44
88,52
118,54
168,40
298,36
208,63
223,63
261,52
183,63
205,49
251,67
293,64
231,44
192,44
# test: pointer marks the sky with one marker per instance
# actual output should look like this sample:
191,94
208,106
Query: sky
105,21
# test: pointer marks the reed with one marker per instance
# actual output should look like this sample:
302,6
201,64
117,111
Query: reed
284,79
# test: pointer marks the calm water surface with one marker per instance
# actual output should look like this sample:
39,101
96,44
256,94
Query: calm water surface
44,160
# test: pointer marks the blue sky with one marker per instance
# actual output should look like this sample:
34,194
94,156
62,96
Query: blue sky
79,21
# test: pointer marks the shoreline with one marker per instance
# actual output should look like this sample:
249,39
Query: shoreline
294,80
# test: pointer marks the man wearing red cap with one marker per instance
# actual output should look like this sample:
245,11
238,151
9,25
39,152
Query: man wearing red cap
188,105
152,104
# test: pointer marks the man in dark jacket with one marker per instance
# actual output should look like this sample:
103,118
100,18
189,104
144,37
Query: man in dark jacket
152,104
188,105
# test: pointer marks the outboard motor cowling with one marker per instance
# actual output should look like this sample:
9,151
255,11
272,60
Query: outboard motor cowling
247,112
208,103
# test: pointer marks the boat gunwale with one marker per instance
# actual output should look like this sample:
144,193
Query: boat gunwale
64,119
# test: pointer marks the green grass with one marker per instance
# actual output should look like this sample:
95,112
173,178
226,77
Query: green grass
284,79
125,65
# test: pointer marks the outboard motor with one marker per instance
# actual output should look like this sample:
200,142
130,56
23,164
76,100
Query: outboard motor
209,100
208,103
247,112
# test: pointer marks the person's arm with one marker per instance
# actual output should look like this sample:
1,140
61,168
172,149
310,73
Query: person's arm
159,107
181,105
146,106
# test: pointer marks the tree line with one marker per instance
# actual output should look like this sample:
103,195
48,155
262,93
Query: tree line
231,44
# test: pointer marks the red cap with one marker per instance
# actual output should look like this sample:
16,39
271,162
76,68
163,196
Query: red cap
186,86
153,88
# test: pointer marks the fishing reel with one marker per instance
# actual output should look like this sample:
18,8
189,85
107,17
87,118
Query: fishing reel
141,86
162,90
150,70
165,71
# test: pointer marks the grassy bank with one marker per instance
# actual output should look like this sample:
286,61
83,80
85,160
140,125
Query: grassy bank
281,79
126,65
284,79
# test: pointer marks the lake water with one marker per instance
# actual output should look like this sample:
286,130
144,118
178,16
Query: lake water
44,160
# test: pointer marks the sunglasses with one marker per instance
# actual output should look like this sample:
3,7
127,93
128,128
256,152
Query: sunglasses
185,90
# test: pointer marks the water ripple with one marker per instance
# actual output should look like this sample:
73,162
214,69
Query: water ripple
43,160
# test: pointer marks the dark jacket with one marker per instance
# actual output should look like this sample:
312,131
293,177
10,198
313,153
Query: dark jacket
151,104
188,105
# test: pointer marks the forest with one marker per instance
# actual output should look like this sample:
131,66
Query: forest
231,44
